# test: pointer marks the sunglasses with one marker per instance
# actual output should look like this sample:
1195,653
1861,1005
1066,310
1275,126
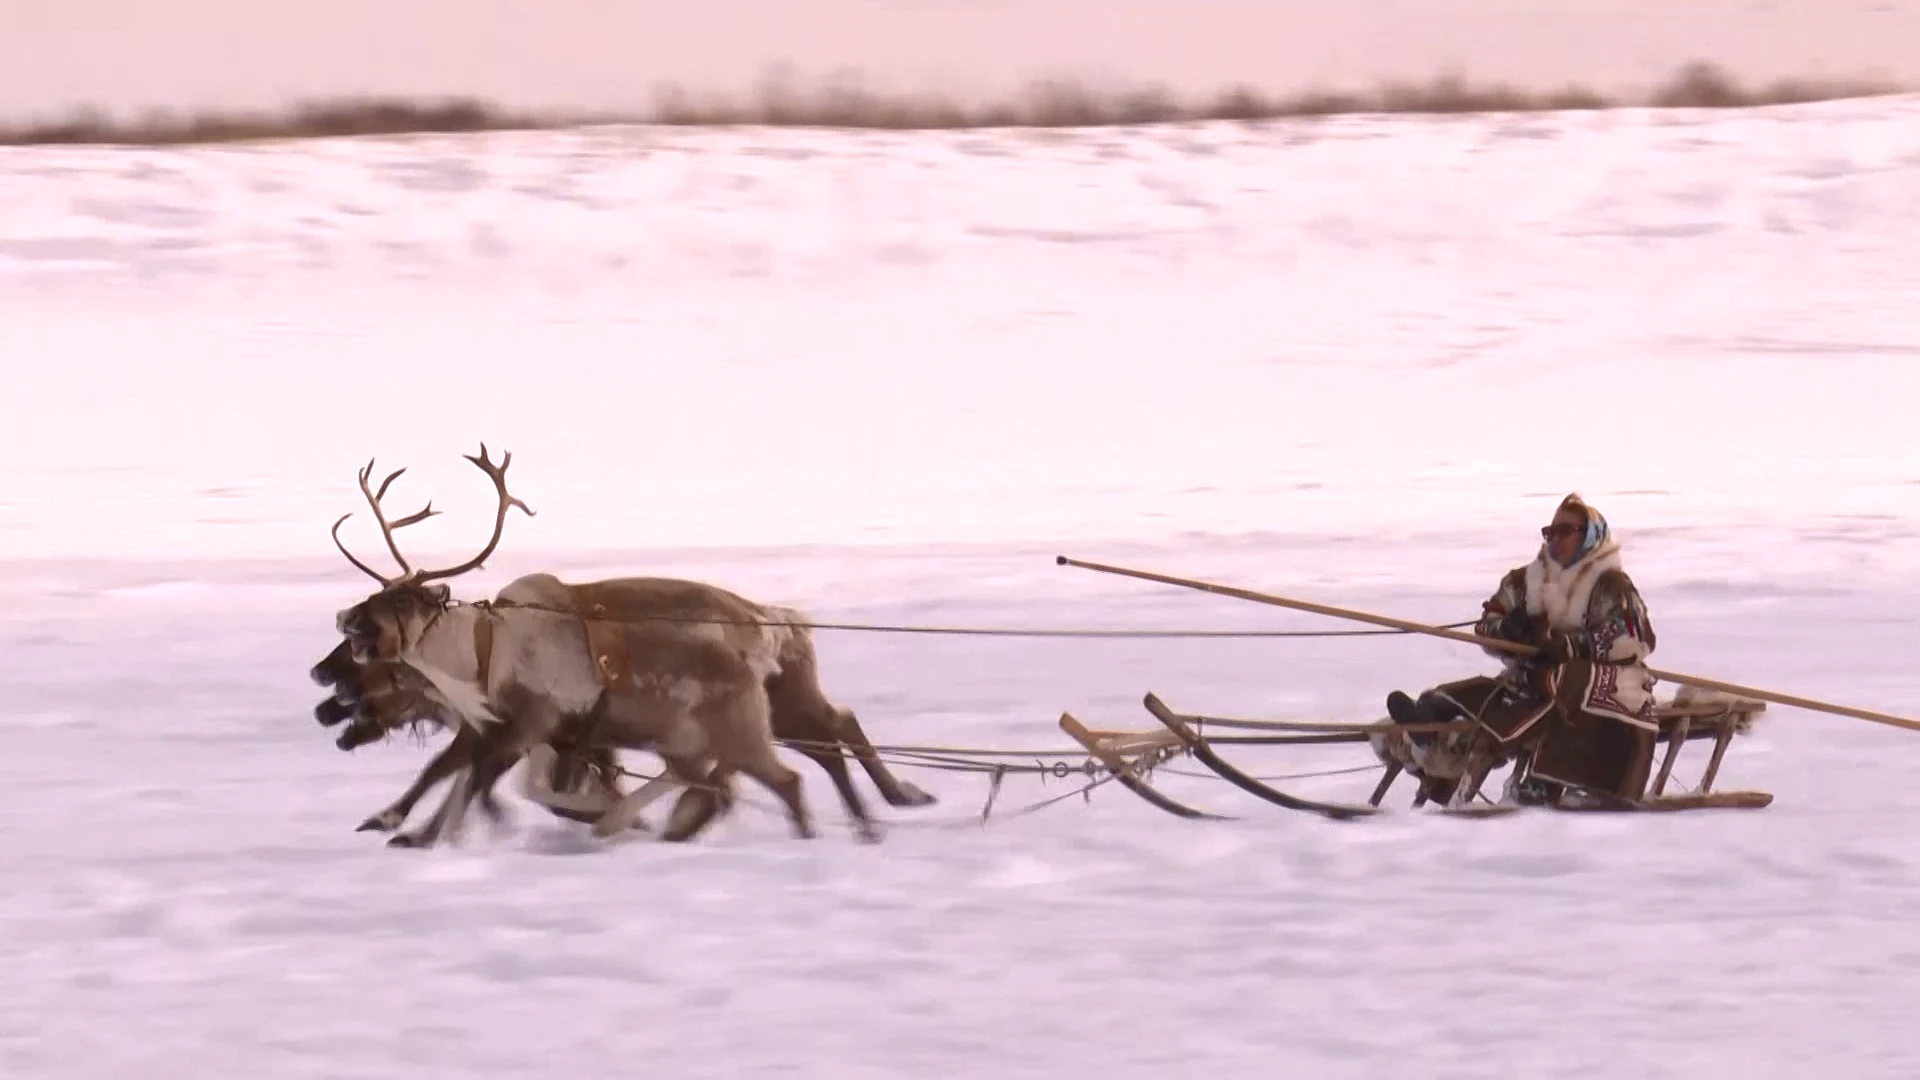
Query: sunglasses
1559,529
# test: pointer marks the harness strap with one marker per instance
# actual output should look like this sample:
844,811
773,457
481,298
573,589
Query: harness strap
606,638
483,647
607,641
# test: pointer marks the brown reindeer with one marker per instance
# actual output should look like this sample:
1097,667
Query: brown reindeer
525,669
802,715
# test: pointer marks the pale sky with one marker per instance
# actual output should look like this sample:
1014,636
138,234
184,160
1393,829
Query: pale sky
609,54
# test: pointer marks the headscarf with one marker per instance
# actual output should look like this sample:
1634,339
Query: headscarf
1597,530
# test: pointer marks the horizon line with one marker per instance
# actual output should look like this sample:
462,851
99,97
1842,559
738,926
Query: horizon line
840,104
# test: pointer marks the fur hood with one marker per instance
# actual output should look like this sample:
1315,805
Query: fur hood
1561,593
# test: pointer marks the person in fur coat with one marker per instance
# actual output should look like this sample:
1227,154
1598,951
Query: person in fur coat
1578,715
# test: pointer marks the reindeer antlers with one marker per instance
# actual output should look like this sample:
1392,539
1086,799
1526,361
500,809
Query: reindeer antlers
386,527
363,567
496,473
380,518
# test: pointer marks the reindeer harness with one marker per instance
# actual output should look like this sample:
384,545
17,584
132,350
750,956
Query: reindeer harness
606,641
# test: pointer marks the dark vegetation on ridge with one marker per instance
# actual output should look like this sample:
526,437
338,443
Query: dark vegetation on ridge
1047,105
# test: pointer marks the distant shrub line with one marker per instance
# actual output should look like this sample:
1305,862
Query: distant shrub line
1047,105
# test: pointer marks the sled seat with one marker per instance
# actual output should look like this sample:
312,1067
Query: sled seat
1696,713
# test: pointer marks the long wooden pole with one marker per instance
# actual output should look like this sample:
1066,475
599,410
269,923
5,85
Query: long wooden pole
1492,643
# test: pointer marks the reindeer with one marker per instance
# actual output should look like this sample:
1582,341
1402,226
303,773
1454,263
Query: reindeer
526,668
802,716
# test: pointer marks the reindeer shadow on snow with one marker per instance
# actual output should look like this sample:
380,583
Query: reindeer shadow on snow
563,676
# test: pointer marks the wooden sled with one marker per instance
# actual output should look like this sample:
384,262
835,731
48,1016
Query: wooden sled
1129,756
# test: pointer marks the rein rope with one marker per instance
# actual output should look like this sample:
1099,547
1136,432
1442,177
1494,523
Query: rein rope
962,631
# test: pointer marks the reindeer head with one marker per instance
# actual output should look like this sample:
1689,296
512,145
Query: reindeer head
378,697
380,627
392,696
337,669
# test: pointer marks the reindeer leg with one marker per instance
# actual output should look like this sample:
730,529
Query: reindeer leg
538,756
486,773
692,812
491,805
835,764
489,802
708,792
785,783
451,810
758,761
897,792
800,712
494,752
739,727
807,722
451,759
446,822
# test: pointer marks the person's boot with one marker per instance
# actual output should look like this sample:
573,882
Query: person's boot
1429,709
1405,710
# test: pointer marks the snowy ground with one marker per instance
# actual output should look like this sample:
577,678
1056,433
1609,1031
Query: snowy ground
1355,362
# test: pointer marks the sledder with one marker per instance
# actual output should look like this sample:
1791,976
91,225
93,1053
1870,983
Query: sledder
1581,722
1577,717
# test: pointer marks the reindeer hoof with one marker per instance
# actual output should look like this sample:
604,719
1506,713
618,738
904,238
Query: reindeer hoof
868,833
911,795
567,813
406,840
383,822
